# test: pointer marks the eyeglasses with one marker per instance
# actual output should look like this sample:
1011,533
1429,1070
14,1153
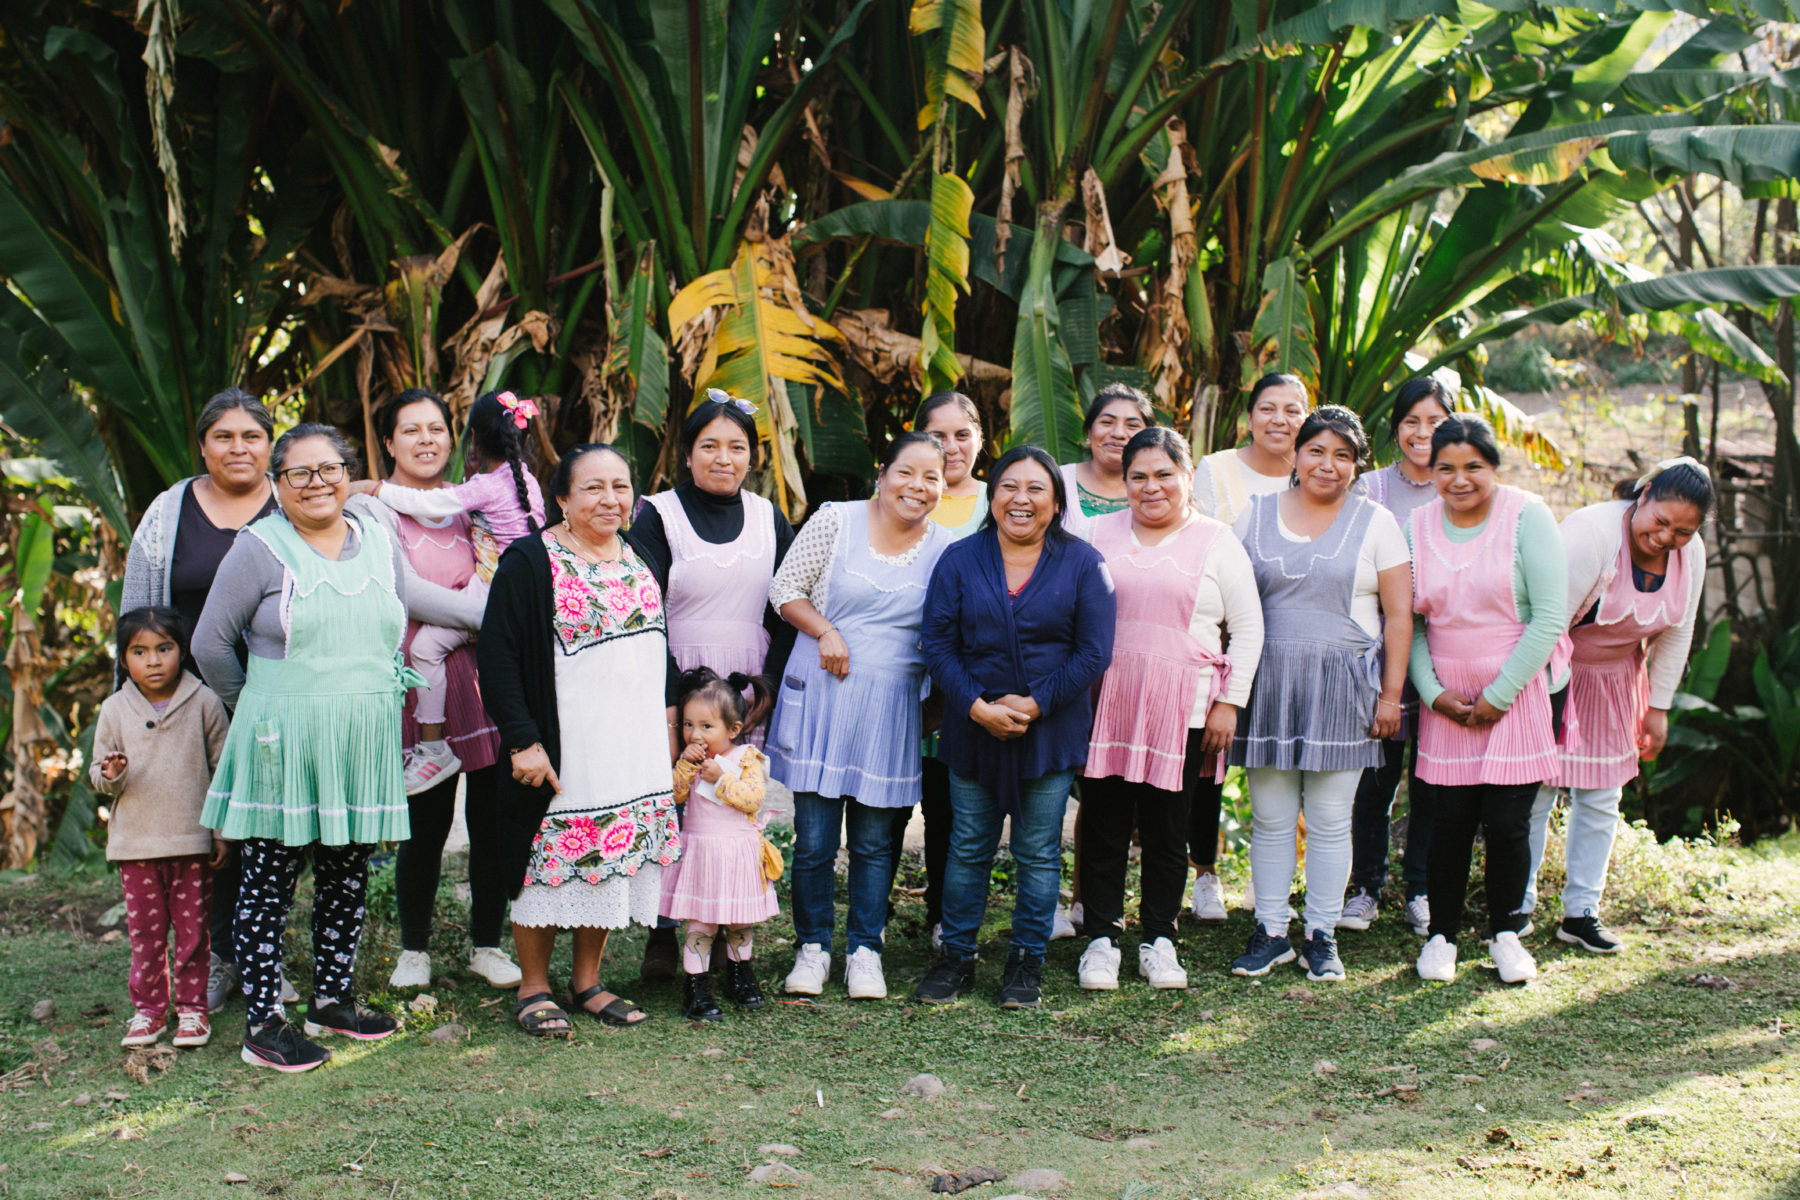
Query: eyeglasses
725,399
299,477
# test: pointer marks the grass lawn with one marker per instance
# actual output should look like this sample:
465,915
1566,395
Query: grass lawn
1608,1076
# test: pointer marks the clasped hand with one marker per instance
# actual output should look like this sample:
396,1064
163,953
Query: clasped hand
1473,714
1006,718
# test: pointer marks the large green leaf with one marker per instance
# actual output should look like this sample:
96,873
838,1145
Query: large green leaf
1741,154
946,276
953,58
638,353
1045,409
1709,333
1281,338
38,402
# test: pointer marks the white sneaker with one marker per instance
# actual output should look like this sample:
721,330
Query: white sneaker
1158,964
1098,970
412,971
812,966
1437,961
1418,916
288,994
1208,905
429,764
862,976
1513,961
491,963
1063,924
1359,912
141,1030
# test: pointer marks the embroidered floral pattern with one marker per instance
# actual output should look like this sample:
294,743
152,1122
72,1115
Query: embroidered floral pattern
593,848
598,601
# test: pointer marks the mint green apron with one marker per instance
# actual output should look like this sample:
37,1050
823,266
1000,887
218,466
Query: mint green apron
314,749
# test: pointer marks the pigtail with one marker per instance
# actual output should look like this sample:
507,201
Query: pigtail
497,423
762,697
514,454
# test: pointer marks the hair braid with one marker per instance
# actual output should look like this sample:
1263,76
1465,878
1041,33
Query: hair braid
514,455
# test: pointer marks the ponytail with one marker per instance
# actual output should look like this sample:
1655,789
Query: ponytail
728,694
762,697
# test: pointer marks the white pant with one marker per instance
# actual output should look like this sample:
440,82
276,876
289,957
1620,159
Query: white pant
1276,800
1593,823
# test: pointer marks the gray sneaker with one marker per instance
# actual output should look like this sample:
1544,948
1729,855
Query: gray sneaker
221,982
1359,912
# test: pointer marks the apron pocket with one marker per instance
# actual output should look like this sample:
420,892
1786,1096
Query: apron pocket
789,706
267,760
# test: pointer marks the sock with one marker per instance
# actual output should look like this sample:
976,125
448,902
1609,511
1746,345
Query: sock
696,948
739,941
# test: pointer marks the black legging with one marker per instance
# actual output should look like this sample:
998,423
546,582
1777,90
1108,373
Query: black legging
934,805
420,862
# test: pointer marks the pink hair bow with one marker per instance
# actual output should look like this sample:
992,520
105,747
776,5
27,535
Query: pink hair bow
522,410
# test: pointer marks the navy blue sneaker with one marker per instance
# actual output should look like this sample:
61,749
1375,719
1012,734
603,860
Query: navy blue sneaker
1264,952
1320,958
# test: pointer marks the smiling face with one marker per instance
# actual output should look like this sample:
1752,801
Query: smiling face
1660,526
1415,431
912,484
1024,502
153,661
1110,431
1464,478
235,451
599,499
1326,465
961,438
1158,488
720,458
420,445
1276,417
316,503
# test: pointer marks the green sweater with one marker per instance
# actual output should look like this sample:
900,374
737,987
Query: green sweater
1540,589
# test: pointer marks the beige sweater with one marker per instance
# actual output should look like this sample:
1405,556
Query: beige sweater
170,761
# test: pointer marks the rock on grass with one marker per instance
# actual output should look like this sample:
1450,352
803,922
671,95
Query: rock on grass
776,1174
1040,1180
925,1087
43,1011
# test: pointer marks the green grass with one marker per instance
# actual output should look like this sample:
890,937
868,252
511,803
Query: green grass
1607,1077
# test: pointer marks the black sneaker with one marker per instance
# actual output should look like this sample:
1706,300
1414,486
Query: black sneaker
280,1047
741,987
697,1003
1589,934
1265,952
946,981
1022,983
1319,955
348,1019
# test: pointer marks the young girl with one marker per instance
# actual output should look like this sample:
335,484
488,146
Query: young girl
504,503
718,881
155,746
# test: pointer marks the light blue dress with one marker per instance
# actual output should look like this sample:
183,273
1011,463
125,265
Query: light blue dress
859,736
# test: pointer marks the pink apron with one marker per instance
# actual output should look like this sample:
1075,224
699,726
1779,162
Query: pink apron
1465,592
1609,688
1146,696
717,594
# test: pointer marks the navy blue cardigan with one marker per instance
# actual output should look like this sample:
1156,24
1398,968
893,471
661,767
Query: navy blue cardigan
1052,642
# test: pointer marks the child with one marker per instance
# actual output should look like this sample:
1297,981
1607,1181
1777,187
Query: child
504,504
155,746
718,881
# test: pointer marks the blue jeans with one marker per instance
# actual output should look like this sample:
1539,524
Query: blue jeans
817,820
975,818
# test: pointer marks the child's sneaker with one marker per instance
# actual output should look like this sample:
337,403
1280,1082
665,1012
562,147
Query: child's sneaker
350,1019
143,1029
429,764
221,983
192,1029
280,1047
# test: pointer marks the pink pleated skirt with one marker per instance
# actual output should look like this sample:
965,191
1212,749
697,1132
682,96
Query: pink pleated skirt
467,726
1518,748
718,878
1609,700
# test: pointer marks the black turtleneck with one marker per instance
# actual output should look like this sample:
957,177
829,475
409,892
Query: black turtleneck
717,519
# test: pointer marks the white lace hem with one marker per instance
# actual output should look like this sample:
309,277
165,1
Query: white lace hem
621,901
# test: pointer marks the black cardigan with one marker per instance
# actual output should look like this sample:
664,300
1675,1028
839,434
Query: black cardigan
515,653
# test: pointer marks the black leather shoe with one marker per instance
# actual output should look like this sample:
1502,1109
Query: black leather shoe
697,1003
661,956
741,987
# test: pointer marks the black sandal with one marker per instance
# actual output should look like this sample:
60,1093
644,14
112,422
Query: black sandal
534,1022
618,1013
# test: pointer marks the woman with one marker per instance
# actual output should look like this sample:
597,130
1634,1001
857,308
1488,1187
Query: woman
1226,480
1331,567
1167,706
311,767
713,548
953,419
1097,486
1490,586
174,556
1635,571
1420,406
845,736
414,428
574,640
1018,626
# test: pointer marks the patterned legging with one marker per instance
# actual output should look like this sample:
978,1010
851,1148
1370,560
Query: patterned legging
340,888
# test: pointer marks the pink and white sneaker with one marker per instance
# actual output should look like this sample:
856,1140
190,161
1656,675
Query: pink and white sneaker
429,764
